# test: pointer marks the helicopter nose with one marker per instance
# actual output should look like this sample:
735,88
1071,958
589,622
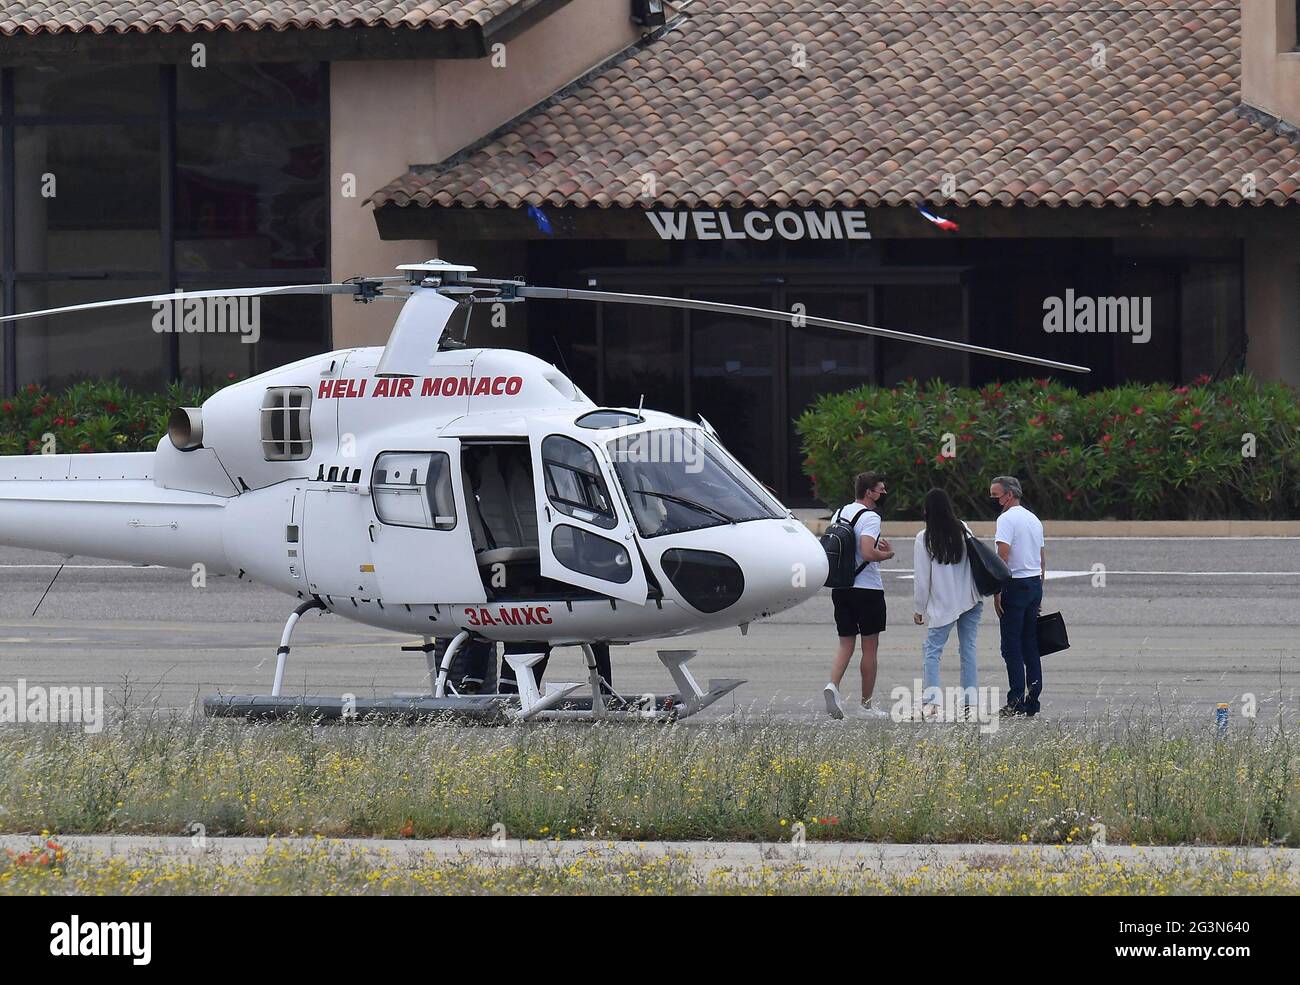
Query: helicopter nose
793,569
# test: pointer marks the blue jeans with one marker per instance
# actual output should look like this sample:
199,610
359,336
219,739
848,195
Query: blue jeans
1020,602
968,625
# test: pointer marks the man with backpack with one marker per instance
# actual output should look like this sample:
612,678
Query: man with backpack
856,588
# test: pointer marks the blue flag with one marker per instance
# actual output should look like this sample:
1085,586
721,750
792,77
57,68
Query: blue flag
539,217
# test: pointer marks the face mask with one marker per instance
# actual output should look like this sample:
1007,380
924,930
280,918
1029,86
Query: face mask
995,500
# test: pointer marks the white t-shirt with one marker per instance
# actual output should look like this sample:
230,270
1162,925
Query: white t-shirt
1023,531
868,525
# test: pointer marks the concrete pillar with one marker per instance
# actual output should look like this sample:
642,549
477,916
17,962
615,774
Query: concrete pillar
1272,289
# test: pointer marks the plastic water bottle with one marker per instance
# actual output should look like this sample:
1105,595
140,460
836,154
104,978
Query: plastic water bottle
1221,717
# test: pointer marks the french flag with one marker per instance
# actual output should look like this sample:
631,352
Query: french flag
947,225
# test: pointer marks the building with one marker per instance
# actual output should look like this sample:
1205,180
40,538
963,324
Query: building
1132,166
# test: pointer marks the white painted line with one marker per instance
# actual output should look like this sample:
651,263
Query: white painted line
1141,539
87,567
1170,574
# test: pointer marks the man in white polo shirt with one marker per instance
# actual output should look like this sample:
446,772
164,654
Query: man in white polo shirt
1020,544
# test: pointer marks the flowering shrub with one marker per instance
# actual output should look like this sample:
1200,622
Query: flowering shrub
89,417
1212,450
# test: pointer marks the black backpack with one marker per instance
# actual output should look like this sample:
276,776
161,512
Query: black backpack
840,544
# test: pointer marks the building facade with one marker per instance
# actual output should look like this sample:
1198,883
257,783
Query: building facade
1124,183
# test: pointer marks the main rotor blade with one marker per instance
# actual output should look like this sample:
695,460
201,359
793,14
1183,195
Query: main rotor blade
231,292
570,294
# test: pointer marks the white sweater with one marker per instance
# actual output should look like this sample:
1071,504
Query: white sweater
942,592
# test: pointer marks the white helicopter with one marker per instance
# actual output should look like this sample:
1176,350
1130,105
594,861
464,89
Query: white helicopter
435,489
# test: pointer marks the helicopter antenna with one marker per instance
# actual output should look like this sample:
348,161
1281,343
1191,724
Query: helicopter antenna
639,404
560,352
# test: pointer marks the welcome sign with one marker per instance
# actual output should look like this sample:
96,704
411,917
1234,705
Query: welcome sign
789,224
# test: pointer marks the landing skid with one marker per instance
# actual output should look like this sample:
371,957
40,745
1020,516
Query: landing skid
553,702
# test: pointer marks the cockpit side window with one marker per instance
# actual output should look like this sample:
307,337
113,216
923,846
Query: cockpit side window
574,483
413,489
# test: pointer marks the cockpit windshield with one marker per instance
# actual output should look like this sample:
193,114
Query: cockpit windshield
679,479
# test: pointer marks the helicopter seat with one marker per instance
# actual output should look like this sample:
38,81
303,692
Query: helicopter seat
502,512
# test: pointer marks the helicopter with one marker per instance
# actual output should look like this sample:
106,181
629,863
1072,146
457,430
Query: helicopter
432,488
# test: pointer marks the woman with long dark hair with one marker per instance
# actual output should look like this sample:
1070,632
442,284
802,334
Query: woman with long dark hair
946,595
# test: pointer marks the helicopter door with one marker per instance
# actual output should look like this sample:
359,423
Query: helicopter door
336,542
421,541
584,538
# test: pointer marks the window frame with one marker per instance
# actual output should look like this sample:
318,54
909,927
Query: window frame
606,519
303,412
424,487
166,117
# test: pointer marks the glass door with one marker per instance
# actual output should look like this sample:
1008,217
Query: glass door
733,379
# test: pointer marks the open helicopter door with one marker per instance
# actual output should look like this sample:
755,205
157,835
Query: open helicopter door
585,537
421,541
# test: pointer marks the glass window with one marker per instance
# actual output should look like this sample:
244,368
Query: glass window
108,90
602,419
574,484
286,423
285,329
644,355
230,87
118,342
677,479
733,364
86,198
590,554
413,489
250,195
936,310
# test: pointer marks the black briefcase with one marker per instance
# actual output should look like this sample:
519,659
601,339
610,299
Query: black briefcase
1052,636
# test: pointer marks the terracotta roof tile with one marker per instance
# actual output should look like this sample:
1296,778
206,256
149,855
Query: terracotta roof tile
1011,98
122,16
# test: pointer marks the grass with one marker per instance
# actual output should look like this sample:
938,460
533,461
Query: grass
333,870
1148,780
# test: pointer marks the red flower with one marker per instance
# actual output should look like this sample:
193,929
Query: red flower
230,376
8,407
1201,380
1181,389
58,420
1058,437
1105,439
1198,425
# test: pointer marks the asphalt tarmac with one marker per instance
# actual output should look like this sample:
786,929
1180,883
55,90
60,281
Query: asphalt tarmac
1176,625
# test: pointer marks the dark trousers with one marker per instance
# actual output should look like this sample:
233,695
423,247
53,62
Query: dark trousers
1020,603
510,684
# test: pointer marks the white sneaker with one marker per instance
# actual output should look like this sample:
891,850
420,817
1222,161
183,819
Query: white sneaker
866,711
834,704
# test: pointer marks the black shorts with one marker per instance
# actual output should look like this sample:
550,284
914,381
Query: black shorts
859,611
